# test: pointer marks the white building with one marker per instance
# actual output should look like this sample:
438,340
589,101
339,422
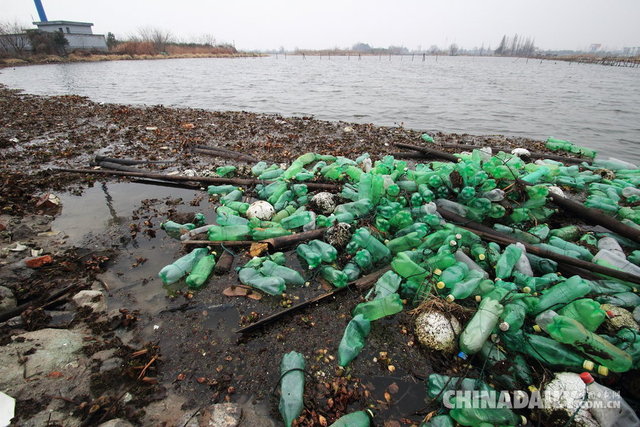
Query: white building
78,34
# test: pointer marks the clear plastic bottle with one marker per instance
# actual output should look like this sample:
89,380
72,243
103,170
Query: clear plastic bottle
609,408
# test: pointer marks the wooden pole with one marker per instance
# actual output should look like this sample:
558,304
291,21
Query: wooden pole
181,178
362,284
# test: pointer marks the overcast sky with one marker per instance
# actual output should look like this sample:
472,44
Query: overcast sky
270,24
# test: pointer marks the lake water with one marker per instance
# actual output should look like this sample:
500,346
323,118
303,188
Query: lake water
591,105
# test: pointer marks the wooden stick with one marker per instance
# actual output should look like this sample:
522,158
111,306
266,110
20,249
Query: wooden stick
118,167
284,241
201,243
182,178
129,162
361,284
430,152
18,310
507,240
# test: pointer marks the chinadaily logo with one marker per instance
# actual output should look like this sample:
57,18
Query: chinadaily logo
519,399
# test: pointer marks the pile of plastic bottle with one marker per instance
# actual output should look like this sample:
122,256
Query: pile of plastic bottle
525,309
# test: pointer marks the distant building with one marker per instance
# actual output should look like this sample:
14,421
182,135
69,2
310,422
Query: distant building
78,34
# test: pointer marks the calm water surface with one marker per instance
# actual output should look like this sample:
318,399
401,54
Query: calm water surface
591,105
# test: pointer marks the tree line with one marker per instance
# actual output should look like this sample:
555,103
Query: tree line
516,46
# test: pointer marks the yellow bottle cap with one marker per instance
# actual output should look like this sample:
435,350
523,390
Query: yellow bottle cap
532,388
523,420
481,257
437,272
537,328
440,285
603,370
450,298
478,298
588,365
526,290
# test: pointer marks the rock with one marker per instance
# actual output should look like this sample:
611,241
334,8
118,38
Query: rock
561,397
339,235
7,300
438,331
223,415
261,210
622,318
92,299
323,203
60,319
22,232
103,354
44,351
116,422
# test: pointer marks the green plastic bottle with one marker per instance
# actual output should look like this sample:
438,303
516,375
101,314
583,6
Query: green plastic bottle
466,287
549,351
508,259
226,170
406,242
352,271
267,284
357,209
481,325
570,232
291,387
225,218
310,255
585,311
327,252
233,196
364,260
466,414
176,230
559,295
387,284
336,277
622,299
438,385
228,232
290,276
353,340
452,275
221,189
569,331
513,316
296,220
542,265
563,244
180,267
379,308
201,271
363,238
262,233
354,419
407,268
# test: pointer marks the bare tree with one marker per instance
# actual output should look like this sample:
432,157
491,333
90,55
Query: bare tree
13,39
453,49
160,38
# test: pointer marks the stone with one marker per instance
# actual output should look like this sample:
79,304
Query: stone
323,203
224,415
560,398
22,232
116,422
42,352
7,300
92,299
438,331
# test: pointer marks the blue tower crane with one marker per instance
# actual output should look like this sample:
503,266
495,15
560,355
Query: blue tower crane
40,9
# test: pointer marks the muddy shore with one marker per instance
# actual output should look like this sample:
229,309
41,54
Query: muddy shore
135,350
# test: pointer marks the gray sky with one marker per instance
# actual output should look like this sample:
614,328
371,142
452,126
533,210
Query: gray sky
269,24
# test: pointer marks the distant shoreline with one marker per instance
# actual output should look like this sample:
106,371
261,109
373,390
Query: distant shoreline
74,58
